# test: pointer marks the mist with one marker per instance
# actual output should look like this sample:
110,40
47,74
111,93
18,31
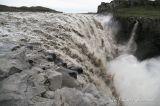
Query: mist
137,83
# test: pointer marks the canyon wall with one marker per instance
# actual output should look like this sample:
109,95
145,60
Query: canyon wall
147,35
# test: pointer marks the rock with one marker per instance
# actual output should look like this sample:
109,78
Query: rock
147,35
91,88
69,81
19,59
40,101
67,71
19,88
118,4
71,97
60,62
30,47
35,85
31,62
69,77
15,48
4,35
45,103
74,97
51,56
14,70
73,74
55,80
12,90
2,75
49,94
76,68
13,102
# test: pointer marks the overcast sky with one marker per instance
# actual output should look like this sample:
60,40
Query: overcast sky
69,6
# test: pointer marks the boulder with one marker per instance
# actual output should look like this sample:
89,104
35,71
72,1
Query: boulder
14,70
2,74
77,69
74,97
71,97
67,71
50,55
91,88
55,80
69,81
40,101
49,94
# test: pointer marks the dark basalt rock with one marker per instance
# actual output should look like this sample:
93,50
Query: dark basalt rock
14,70
68,71
76,68
73,74
148,39
50,56
3,75
15,48
60,62
147,35
31,62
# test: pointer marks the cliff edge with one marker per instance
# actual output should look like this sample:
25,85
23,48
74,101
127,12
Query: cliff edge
126,13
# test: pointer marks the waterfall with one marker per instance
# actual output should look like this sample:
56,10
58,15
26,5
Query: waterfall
137,83
131,45
76,40
79,40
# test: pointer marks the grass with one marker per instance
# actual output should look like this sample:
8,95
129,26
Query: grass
139,11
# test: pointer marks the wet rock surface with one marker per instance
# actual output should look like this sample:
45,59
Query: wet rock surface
43,62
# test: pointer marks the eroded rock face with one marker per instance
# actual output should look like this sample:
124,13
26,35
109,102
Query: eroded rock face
74,97
146,38
55,80
48,59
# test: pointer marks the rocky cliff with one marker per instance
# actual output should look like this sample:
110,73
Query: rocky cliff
147,35
127,13
115,5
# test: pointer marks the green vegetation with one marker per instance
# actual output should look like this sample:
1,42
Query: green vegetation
138,8
138,11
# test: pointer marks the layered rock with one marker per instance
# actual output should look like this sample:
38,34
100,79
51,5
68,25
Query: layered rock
146,38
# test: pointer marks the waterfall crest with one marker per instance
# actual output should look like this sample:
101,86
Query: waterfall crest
45,43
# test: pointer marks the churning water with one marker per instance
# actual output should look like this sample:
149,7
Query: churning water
137,83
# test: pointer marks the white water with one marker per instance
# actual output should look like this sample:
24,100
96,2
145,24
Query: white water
137,83
131,45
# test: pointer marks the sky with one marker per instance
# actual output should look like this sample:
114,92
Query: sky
68,6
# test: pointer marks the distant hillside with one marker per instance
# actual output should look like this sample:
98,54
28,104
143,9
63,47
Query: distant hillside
4,8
